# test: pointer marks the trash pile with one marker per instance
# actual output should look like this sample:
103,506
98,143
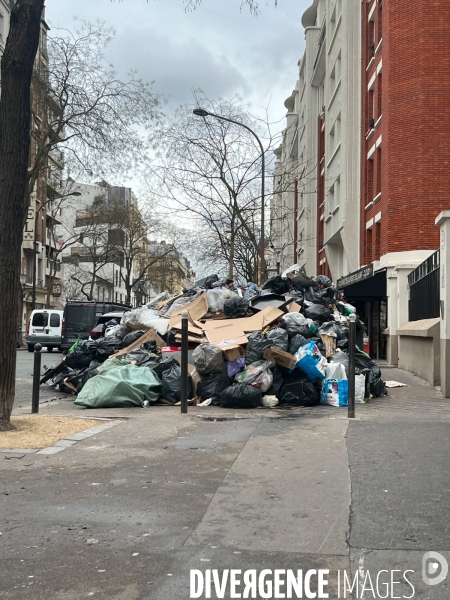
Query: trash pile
284,344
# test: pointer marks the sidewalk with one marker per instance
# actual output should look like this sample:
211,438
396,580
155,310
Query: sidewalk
127,513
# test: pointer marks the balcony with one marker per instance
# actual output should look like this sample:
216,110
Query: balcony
26,279
319,63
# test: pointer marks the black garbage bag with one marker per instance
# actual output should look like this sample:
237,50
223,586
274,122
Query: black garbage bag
295,343
212,387
297,390
341,331
319,296
363,362
85,376
105,347
130,338
81,355
241,395
319,313
298,296
123,330
279,338
277,285
141,357
171,380
235,307
323,281
164,366
296,323
277,382
342,344
208,358
257,343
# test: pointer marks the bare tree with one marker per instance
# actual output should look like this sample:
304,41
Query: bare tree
211,170
15,113
94,118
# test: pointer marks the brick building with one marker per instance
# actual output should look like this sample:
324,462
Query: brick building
381,146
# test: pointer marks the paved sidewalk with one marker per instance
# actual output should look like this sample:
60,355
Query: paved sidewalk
127,513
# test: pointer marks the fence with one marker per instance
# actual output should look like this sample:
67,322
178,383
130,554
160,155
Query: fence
423,285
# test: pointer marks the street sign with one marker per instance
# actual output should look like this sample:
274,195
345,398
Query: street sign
355,277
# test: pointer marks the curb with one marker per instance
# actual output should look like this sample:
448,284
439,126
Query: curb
66,442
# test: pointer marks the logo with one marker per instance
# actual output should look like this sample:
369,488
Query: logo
434,568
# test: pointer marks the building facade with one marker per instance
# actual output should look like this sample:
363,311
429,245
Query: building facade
372,82
92,240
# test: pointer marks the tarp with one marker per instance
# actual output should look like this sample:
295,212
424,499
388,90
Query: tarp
120,384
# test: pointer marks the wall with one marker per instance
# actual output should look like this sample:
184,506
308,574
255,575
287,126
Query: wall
419,349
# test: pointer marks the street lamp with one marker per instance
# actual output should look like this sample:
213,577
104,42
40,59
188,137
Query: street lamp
33,305
201,112
278,254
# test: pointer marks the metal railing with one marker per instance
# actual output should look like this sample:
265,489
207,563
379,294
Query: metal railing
423,284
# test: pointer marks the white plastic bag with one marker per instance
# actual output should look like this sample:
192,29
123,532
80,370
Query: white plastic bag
360,388
335,371
270,401
216,299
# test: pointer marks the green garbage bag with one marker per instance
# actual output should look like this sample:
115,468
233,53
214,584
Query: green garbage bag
120,384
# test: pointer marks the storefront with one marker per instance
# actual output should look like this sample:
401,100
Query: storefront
366,290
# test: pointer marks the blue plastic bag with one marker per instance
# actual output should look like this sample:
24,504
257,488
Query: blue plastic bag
311,362
334,392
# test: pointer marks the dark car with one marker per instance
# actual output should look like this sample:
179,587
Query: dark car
97,331
80,318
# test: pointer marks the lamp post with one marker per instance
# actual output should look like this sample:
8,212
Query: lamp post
201,112
278,254
33,305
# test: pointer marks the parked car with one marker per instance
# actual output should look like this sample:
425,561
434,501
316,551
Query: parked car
45,327
80,318
97,331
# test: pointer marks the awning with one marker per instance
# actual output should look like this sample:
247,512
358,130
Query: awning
372,287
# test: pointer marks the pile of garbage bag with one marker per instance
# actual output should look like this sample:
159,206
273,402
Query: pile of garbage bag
282,344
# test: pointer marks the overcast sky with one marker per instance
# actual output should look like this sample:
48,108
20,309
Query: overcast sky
218,47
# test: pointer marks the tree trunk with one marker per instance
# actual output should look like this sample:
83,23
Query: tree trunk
15,110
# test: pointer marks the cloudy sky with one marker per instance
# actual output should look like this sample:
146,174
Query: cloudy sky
218,47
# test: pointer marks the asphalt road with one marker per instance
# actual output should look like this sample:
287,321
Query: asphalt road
24,376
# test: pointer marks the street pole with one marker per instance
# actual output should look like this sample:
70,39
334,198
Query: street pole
184,360
201,112
351,366
36,379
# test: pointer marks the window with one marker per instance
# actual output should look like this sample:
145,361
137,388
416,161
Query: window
117,279
54,320
40,320
2,25
379,94
378,180
380,22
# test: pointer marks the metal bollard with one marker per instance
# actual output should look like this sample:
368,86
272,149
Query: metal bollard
184,360
36,378
351,366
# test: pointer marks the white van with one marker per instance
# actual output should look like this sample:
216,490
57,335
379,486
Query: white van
45,327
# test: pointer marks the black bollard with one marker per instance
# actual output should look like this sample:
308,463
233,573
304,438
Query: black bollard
351,366
184,360
36,378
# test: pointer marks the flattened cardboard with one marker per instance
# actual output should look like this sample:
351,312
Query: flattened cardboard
197,309
148,335
294,307
248,324
226,334
282,358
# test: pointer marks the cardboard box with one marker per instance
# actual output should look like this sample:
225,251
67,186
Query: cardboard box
282,358
233,352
